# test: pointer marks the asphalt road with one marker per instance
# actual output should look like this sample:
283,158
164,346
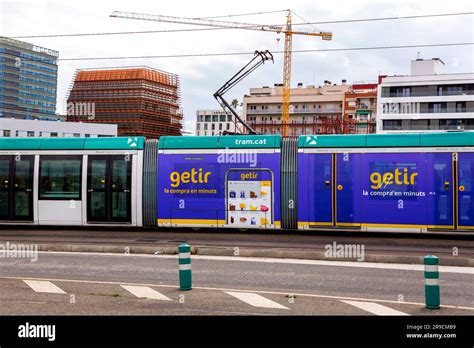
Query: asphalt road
95,284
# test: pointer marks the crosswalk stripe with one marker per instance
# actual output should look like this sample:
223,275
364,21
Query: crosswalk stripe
255,300
374,308
145,292
44,286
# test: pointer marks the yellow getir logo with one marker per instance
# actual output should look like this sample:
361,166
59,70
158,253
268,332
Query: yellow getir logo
194,176
398,177
248,176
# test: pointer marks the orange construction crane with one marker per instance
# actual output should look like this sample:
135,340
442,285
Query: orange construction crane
287,30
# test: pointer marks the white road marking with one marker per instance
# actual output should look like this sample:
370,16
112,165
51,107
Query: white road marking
379,265
237,290
145,292
44,286
255,300
374,308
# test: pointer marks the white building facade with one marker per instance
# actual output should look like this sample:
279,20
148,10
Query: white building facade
17,128
213,122
425,101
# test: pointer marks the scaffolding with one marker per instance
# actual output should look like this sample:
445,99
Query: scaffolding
322,125
338,126
142,101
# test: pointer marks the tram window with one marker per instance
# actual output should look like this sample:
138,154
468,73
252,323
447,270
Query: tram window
60,177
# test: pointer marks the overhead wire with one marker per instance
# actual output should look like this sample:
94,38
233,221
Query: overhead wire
389,18
217,54
276,52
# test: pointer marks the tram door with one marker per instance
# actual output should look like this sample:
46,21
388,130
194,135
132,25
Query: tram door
334,195
347,190
320,190
109,184
451,191
16,188
465,191
440,188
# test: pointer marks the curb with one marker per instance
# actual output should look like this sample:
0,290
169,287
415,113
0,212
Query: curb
244,252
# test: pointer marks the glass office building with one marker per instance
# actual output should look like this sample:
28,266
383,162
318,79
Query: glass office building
28,80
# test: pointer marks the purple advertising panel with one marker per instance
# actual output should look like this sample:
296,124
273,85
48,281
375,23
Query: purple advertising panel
206,190
394,189
391,190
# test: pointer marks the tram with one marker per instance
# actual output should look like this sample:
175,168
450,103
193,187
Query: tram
405,182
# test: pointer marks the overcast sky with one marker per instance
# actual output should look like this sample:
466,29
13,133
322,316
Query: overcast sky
201,77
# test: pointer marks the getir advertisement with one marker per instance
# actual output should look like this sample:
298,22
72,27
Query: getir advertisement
198,190
249,198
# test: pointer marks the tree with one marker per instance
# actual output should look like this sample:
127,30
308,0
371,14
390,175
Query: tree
234,103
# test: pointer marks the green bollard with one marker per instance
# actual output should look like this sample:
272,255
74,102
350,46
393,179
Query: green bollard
185,274
432,298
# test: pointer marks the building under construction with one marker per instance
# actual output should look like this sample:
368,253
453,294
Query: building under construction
140,100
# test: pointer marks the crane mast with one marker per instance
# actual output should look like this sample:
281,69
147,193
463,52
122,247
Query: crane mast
285,104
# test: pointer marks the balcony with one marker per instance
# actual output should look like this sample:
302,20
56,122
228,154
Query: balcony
429,128
427,94
364,106
318,122
294,111
430,111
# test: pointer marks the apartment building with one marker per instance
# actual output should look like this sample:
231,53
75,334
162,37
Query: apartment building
360,106
313,109
213,122
427,100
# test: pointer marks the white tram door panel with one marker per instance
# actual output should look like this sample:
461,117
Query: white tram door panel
64,212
